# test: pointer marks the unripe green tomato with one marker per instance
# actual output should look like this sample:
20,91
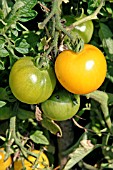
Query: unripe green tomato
84,30
62,105
30,84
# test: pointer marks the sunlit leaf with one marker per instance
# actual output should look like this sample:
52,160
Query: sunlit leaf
84,149
39,138
2,103
3,52
22,46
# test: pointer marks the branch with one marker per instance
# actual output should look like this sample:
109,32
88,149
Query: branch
55,9
87,18
16,139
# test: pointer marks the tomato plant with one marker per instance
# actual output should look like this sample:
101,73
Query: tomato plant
4,163
84,30
62,105
82,72
42,162
36,111
29,84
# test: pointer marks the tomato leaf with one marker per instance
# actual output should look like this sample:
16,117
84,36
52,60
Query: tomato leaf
2,66
106,38
51,126
2,103
5,94
22,46
28,16
3,52
27,13
2,41
84,149
25,114
39,138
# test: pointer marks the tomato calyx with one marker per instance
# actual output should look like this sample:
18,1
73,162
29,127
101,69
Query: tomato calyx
42,62
78,45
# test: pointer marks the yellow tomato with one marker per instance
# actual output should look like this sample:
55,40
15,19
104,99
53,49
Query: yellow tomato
82,72
42,162
4,164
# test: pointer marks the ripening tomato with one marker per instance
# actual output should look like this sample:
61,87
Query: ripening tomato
82,72
42,162
84,30
62,105
4,164
30,84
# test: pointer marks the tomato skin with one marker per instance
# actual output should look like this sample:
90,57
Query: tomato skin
4,164
43,162
60,106
83,72
29,84
84,30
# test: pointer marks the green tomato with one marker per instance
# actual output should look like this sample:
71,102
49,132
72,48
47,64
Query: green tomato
30,84
84,30
62,105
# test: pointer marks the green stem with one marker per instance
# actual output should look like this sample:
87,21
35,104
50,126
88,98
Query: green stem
102,98
12,17
61,28
87,18
52,13
17,140
55,43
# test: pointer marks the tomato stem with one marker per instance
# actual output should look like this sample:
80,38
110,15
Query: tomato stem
42,62
87,18
55,15
17,140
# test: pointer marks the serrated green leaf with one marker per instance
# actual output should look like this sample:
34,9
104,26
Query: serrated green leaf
17,5
21,10
39,138
51,126
2,41
28,5
25,114
109,9
3,52
5,94
28,16
105,31
27,13
105,35
84,149
2,103
22,46
32,39
2,66
6,7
